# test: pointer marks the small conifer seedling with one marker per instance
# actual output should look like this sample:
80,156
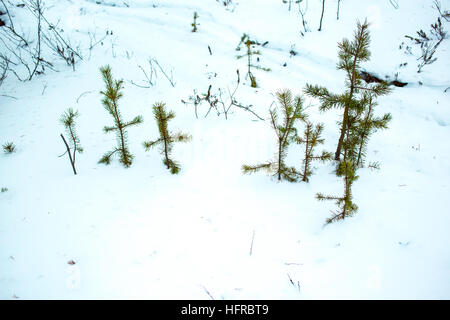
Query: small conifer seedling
353,100
347,170
344,202
166,138
195,24
110,101
311,138
9,147
251,51
292,109
68,120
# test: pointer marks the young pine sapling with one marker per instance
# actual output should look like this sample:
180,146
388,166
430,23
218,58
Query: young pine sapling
351,54
110,101
344,202
347,170
292,109
195,24
361,124
311,139
250,45
68,120
166,138
358,121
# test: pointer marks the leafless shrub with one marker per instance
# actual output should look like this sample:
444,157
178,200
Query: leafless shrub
302,9
443,13
148,82
29,56
429,43
218,101
152,75
93,41
53,38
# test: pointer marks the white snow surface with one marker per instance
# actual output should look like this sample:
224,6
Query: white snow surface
142,233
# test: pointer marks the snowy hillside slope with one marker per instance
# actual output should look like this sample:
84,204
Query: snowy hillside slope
142,233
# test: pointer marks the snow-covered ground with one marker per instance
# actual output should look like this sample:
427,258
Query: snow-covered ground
142,233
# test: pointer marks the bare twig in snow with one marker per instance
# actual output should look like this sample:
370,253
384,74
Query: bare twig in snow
321,16
209,294
172,82
70,155
81,95
149,78
251,246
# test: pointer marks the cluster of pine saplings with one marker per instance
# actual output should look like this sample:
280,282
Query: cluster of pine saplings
110,101
357,123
